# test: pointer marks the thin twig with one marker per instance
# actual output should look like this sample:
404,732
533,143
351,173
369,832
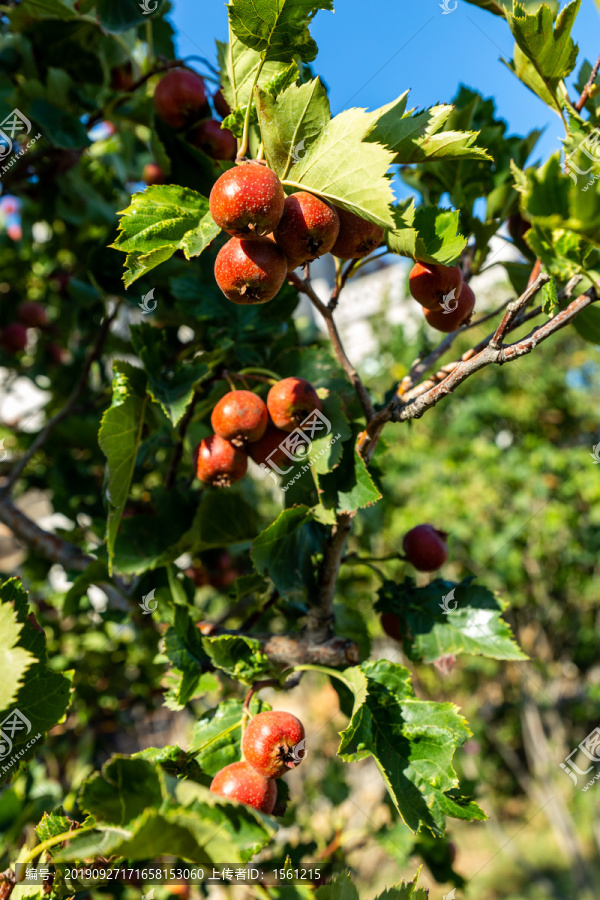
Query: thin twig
586,91
67,408
305,287
320,616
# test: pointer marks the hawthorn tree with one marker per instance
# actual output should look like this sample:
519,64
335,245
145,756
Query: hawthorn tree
154,505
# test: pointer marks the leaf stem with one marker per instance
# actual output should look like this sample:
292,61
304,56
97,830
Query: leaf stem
51,842
243,148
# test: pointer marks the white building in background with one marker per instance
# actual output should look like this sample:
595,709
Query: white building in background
381,289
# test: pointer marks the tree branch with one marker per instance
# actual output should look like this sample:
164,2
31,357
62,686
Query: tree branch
290,650
67,409
320,616
47,545
586,91
305,287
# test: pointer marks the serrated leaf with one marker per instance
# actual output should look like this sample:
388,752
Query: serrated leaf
119,439
285,551
239,656
341,887
412,742
278,29
344,168
14,660
471,624
325,454
159,221
427,233
418,138
184,648
290,123
217,735
239,66
349,487
549,297
121,791
42,696
120,15
221,519
552,199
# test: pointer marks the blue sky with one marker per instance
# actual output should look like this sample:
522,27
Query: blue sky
369,58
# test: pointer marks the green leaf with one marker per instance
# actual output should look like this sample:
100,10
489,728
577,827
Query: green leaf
349,487
217,735
53,824
343,167
587,324
326,455
428,234
289,124
171,385
278,29
239,656
223,518
31,10
184,648
122,791
412,742
549,297
59,127
340,888
42,696
472,623
14,660
119,439
239,66
159,221
120,15
418,138
285,551
552,199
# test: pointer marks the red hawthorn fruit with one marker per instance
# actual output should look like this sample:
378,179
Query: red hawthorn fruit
58,355
13,338
239,781
391,625
199,575
32,315
220,463
240,417
269,444
290,401
357,237
426,548
153,174
270,743
250,272
429,283
221,104
308,228
461,315
180,98
217,142
247,201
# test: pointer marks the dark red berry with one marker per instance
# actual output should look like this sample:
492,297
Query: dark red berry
240,417
180,98
290,401
430,284
457,313
270,743
357,237
309,228
217,142
239,781
220,463
425,547
250,272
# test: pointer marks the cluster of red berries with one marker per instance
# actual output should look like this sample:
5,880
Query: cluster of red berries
13,336
244,425
273,234
272,744
182,101
448,301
